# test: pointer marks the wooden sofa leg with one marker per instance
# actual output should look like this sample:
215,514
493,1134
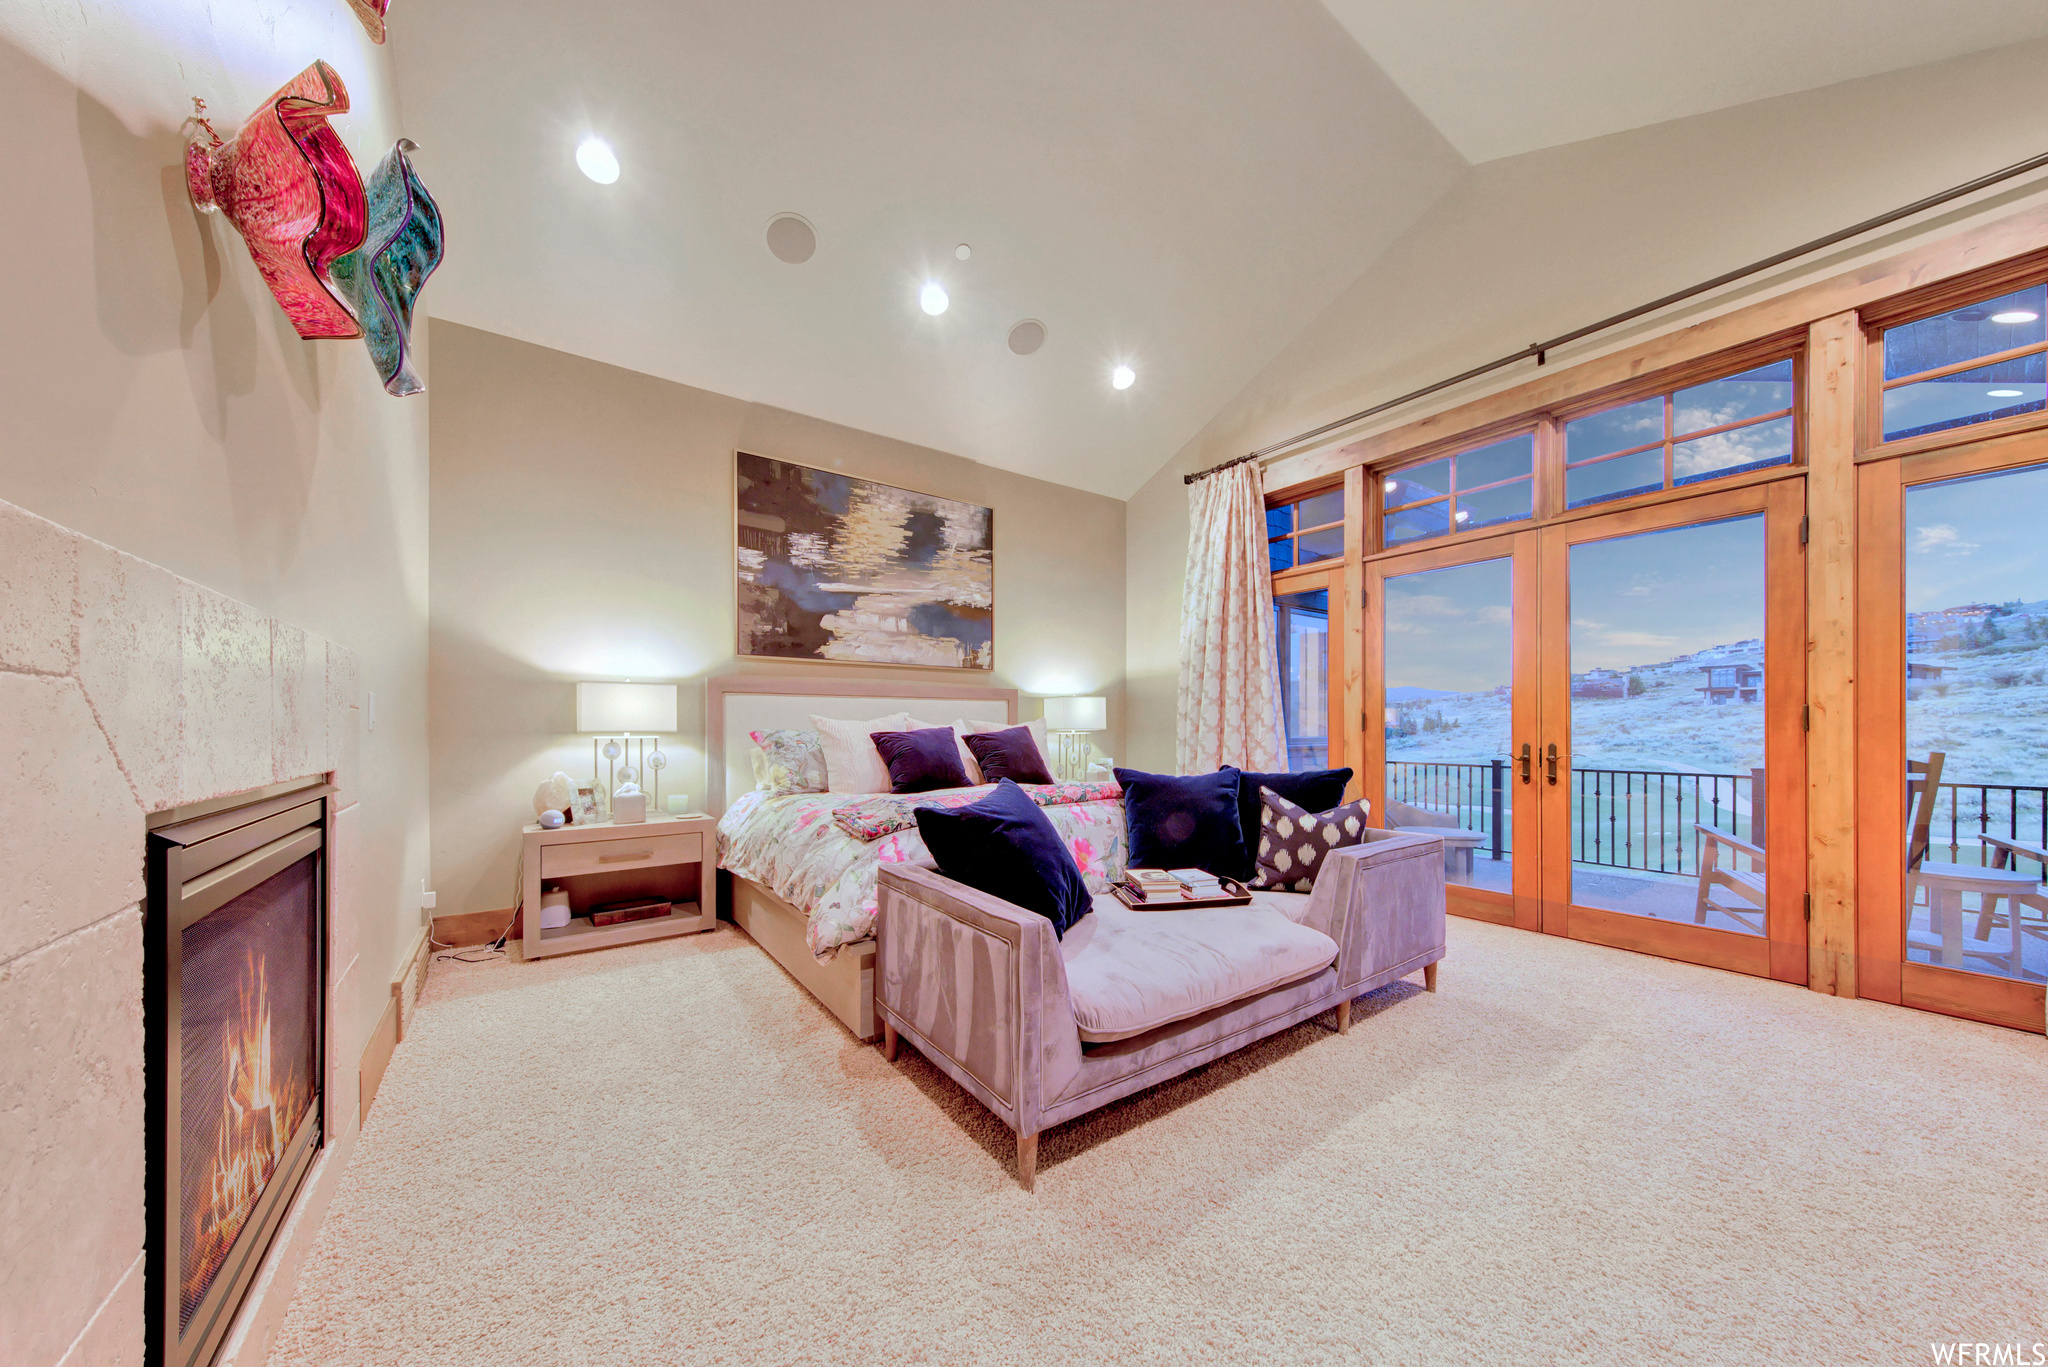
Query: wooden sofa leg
1027,1160
1429,977
1344,1017
888,1042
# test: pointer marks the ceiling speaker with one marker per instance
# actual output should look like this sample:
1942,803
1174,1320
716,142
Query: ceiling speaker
792,239
1027,337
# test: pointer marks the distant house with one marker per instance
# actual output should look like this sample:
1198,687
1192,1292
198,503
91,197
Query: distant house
1599,683
1921,669
1733,682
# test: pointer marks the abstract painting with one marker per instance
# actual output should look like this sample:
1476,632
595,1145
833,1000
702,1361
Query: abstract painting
836,568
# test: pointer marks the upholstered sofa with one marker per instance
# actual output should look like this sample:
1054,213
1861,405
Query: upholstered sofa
1042,1030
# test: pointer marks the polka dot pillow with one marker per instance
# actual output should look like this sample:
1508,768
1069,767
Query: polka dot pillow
1293,841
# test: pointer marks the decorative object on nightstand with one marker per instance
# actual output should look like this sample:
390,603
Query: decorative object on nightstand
584,810
1071,720
619,710
554,909
669,860
555,794
552,820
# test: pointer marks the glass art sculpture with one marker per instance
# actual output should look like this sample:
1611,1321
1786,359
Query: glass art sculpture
371,12
380,279
291,189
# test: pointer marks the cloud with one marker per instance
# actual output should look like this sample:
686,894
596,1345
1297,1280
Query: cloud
1938,538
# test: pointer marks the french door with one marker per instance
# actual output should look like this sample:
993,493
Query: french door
1952,734
1598,715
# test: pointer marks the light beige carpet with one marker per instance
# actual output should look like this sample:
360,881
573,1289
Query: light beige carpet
669,1154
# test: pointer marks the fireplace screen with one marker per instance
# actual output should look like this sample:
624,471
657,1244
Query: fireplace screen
247,1029
233,1002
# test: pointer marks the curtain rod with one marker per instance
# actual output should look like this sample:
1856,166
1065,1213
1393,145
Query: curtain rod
1539,350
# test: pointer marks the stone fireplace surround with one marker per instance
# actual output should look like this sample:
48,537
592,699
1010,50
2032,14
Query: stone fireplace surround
126,690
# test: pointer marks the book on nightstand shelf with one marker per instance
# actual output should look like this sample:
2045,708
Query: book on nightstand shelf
639,909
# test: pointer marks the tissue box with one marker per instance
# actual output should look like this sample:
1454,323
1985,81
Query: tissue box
628,808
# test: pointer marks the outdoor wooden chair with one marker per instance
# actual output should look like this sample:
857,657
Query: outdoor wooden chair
2007,854
1715,872
1946,883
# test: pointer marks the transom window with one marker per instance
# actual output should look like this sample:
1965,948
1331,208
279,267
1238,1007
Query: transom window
1481,487
1982,361
1708,431
1308,530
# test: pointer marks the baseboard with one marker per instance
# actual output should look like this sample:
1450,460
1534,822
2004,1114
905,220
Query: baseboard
463,928
377,1056
411,981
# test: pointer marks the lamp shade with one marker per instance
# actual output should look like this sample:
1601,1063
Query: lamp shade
619,707
1076,714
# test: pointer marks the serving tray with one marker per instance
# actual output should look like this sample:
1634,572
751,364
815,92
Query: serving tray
1237,899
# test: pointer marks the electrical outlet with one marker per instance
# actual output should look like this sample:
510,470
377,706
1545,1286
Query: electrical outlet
426,898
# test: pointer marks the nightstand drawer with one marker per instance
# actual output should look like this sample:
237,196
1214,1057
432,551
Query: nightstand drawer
615,856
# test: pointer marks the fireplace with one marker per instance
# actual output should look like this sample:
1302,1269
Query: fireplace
234,1017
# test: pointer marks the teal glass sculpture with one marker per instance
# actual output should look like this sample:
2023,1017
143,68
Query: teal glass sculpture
381,279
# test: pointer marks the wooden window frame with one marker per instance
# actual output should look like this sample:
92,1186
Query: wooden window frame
2002,278
1452,451
1297,496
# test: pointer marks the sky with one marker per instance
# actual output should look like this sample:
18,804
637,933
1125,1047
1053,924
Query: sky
1640,600
1977,540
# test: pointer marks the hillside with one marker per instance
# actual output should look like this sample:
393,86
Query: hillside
1988,711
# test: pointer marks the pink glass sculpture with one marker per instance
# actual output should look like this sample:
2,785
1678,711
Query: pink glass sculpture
381,278
371,12
291,189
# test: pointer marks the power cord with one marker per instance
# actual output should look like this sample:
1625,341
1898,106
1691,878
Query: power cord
483,954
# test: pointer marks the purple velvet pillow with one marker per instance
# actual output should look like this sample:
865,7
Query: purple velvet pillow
920,761
1010,754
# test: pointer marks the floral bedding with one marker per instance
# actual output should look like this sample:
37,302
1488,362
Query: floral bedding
880,814
793,845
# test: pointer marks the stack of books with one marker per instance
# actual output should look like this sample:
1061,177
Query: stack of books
1154,885
1199,884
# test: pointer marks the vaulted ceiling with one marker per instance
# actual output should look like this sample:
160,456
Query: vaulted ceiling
1180,187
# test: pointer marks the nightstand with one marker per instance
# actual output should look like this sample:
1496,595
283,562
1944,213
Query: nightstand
667,856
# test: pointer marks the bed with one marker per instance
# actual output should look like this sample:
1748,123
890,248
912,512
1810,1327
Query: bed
802,866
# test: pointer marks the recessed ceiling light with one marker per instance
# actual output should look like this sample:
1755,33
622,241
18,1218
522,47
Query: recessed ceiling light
2015,316
2005,393
963,251
792,238
1392,485
1123,377
1463,514
932,298
597,160
1027,337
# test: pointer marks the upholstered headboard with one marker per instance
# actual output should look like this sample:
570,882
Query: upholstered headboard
735,705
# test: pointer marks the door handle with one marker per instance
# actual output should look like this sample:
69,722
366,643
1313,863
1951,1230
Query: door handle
1525,761
1550,764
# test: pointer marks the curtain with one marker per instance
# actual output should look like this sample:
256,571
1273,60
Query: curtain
1229,673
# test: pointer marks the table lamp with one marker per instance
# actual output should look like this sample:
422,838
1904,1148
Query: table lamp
1070,720
618,710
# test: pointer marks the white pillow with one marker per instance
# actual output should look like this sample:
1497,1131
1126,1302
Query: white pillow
852,764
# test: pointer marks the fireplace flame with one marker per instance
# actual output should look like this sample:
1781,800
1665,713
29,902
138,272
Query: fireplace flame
259,1110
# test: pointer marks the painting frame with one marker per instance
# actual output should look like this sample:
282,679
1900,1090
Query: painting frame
961,619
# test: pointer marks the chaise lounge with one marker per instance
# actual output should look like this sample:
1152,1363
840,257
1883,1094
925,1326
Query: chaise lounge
1042,1030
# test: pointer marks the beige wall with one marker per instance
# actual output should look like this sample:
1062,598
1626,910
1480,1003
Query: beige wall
1531,246
156,399
582,528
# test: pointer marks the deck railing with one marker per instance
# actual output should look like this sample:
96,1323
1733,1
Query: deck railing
1966,812
1644,818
